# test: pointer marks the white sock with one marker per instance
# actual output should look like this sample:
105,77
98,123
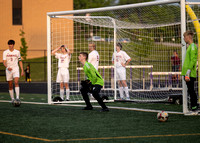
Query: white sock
121,92
126,92
11,94
67,94
17,92
62,93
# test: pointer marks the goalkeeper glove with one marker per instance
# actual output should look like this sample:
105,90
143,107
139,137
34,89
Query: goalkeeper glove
187,76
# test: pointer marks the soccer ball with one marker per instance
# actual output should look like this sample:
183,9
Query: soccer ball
162,116
16,103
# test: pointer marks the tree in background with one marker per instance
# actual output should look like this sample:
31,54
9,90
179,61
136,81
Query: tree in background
123,2
85,4
23,47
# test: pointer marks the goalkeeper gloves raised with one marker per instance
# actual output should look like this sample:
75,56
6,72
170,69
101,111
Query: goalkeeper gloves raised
187,76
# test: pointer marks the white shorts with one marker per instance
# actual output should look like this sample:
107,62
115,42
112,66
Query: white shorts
12,74
121,73
63,75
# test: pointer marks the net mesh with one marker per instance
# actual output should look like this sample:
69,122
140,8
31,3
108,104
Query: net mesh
149,35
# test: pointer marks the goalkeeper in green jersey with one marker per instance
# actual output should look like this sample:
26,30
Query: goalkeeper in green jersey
93,84
189,68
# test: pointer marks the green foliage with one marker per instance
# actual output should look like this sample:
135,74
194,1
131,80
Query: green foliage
23,47
85,4
122,2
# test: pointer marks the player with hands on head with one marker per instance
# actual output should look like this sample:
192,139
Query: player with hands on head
93,84
63,72
189,68
11,58
122,60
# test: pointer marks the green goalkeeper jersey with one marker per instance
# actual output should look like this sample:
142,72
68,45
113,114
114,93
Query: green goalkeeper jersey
190,62
92,74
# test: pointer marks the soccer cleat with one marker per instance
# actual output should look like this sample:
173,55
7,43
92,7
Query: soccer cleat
105,97
12,101
87,108
104,110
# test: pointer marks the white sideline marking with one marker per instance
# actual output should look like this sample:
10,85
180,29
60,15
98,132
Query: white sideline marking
110,107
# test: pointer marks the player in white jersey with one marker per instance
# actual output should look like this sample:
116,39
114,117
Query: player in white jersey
63,72
11,57
93,56
122,60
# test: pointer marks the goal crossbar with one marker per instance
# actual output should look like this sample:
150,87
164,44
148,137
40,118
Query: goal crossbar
112,8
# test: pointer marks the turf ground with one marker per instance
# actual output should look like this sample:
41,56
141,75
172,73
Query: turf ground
40,123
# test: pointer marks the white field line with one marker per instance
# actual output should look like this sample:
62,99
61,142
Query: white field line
110,107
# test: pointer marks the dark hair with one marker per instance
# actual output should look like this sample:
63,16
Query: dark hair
119,45
84,54
63,46
11,42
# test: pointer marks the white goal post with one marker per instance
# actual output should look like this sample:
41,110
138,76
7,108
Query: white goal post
147,35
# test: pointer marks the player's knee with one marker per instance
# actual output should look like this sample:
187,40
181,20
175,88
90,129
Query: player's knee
10,87
16,84
83,91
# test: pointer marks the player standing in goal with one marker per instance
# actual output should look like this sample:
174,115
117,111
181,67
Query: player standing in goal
93,56
189,68
93,84
63,72
122,60
11,57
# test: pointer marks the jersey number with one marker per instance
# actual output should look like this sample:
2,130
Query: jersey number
97,58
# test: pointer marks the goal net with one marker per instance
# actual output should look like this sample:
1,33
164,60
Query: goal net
150,33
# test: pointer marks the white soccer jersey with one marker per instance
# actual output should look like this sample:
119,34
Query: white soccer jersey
93,58
12,58
121,57
63,60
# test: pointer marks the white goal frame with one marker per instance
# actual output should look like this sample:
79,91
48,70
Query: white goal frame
62,13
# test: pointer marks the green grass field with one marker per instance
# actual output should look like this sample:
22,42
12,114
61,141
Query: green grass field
40,123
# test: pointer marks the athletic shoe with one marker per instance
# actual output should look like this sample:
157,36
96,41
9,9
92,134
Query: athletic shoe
104,110
128,98
87,108
67,100
105,97
12,101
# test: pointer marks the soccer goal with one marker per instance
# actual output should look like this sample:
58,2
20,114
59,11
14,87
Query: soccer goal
150,33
